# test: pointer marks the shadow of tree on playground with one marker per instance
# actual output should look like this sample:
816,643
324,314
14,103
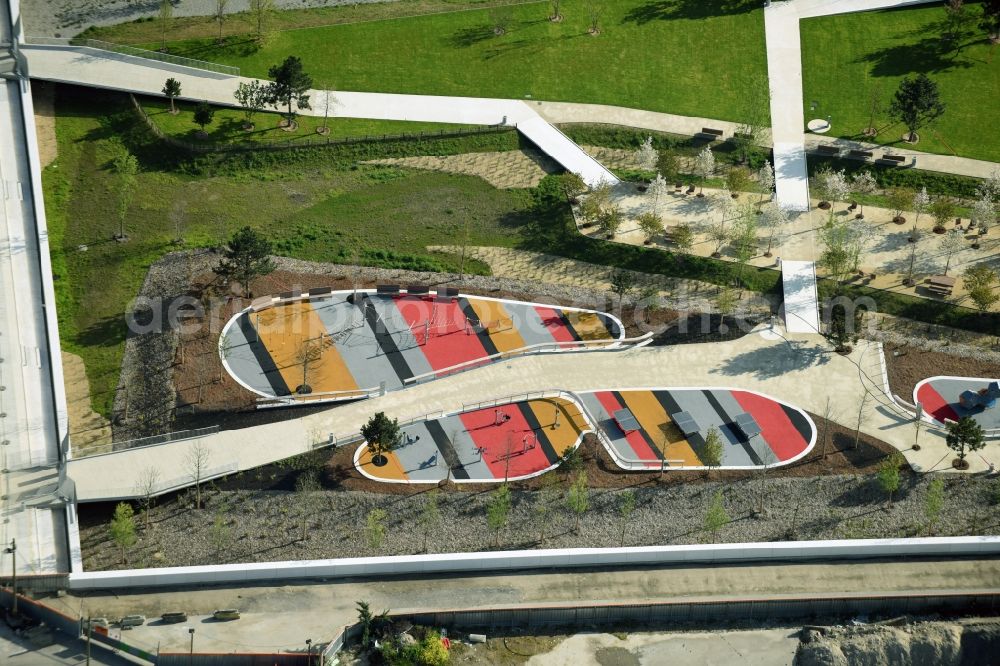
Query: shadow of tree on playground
666,10
769,362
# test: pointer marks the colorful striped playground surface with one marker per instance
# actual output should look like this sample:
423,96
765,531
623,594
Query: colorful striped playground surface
343,345
510,441
652,428
951,398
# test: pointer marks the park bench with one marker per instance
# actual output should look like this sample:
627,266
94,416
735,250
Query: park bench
387,289
714,133
892,160
320,292
418,289
449,292
861,154
823,149
290,295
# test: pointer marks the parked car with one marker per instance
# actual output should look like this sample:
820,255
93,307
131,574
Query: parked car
130,621
226,614
174,617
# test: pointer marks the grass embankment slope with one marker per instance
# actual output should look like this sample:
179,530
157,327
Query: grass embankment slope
845,58
690,58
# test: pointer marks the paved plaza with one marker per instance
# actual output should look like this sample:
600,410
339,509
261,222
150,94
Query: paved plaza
667,427
941,398
377,340
505,442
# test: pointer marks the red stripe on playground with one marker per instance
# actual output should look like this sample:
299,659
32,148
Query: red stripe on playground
779,432
635,440
554,324
482,428
934,404
448,344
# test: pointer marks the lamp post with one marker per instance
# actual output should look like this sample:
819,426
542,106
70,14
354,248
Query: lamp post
191,651
309,652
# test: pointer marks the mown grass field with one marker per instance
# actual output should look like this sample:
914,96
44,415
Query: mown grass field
678,56
844,58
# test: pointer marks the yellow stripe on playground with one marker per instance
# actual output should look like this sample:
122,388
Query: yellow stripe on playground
287,332
571,422
658,425
391,471
500,326
587,325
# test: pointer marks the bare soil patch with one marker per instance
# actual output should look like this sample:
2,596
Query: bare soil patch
86,427
43,99
504,170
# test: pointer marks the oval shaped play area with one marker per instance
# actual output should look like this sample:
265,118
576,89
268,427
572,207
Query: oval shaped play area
342,345
951,398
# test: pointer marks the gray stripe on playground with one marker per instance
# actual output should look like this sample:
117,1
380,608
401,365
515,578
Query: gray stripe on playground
736,453
695,403
529,324
465,448
357,346
607,425
406,342
418,454
242,361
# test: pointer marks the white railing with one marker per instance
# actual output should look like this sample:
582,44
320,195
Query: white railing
320,397
134,52
167,485
154,440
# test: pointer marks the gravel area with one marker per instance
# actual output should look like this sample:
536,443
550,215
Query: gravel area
45,18
258,526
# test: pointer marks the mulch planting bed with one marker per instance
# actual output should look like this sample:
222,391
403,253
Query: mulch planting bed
909,365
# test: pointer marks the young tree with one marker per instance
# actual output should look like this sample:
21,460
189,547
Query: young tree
765,181
862,235
720,234
196,462
658,189
899,200
979,280
874,107
863,185
498,511
843,327
943,209
888,474
203,115
836,255
610,220
716,516
289,84
308,496
963,436
308,355
651,225
261,11
571,184
172,89
738,179
668,164
917,102
726,301
578,498
774,220
744,239
915,242
556,15
122,528
705,165
382,434
220,15
646,155
933,503
145,488
594,10
165,18
430,515
957,20
375,528
500,18
252,97
545,499
711,453
126,166
951,244
683,237
838,187
247,257
622,283
863,412
626,507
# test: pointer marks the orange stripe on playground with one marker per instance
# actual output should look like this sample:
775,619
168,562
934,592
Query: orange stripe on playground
587,325
286,331
571,422
654,420
495,317
391,471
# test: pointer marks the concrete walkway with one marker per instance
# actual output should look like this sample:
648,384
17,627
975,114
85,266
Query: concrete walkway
784,68
803,372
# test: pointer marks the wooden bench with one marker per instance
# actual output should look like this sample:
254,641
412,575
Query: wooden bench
387,289
418,289
861,154
320,292
449,292
714,133
823,149
290,295
892,160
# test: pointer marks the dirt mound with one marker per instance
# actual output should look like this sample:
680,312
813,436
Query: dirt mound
928,643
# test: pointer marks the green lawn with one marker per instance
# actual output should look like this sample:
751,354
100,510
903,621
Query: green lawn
845,57
227,126
663,55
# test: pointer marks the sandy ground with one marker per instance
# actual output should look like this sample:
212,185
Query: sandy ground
43,96
65,18
504,170
85,425
761,647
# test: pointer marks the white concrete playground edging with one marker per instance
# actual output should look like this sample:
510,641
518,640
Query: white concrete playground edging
520,560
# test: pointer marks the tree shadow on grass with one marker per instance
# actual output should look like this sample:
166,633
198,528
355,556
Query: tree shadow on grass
921,50
666,10
470,36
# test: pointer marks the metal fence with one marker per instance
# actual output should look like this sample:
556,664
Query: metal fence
152,440
121,49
